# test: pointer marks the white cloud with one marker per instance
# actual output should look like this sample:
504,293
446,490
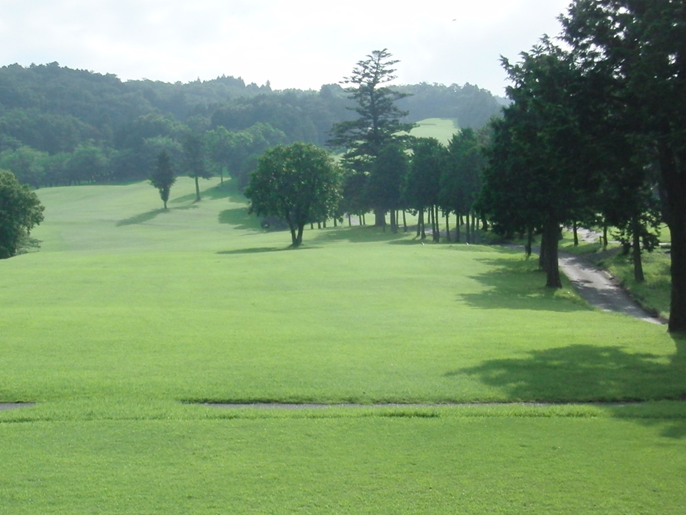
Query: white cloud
297,43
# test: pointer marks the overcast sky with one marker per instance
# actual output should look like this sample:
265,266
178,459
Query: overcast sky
293,44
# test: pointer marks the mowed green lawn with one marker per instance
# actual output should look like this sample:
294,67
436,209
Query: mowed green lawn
129,316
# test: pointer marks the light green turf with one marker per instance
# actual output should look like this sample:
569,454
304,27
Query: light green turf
128,314
440,128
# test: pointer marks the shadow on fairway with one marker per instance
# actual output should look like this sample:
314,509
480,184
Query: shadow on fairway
146,217
139,219
516,284
262,250
355,234
219,191
239,218
586,373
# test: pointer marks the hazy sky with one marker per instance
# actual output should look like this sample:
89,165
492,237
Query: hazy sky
293,44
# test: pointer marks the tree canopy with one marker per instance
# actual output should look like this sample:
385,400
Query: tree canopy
163,177
377,124
299,183
636,47
20,211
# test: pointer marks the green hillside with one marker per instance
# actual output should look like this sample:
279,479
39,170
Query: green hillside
440,128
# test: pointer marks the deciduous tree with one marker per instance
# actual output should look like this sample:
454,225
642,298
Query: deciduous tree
20,211
195,160
638,45
299,183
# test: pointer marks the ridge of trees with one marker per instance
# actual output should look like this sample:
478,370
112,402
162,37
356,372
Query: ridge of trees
62,126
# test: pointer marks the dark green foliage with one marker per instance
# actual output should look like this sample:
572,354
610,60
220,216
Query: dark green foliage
378,122
163,177
637,47
541,170
20,211
298,183
238,151
384,186
422,184
54,110
378,117
461,177
28,165
88,163
195,160
471,106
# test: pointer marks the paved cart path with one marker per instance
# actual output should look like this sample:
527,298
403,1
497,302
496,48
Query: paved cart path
599,289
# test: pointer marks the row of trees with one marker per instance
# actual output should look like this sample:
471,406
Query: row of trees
383,168
595,133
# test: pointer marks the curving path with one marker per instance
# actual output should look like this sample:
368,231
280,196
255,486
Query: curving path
599,289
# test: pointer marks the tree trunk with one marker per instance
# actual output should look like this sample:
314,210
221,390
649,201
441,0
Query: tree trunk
674,180
404,220
541,255
529,241
394,222
468,227
294,235
551,232
197,190
380,218
447,227
604,235
420,215
299,238
437,225
636,250
457,226
350,222
575,229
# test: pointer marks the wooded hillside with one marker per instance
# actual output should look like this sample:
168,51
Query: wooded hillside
65,126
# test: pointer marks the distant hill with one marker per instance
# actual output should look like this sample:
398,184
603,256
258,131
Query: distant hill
60,126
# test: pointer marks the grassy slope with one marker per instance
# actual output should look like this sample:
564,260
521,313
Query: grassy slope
440,128
128,310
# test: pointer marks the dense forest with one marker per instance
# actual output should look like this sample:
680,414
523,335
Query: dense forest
64,126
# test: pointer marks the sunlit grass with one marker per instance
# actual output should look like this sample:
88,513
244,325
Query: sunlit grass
129,316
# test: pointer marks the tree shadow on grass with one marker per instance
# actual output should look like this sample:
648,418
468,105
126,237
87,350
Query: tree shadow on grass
150,215
239,218
587,373
518,284
262,250
141,218
184,198
355,234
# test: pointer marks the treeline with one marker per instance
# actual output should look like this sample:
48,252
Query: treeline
596,135
60,126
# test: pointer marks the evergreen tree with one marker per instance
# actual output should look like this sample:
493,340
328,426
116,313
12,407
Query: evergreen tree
163,177
378,118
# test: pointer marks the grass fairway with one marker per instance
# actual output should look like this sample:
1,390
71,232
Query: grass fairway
129,315
440,128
